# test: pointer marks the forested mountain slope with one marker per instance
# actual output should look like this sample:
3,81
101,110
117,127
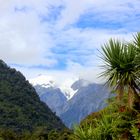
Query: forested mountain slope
20,106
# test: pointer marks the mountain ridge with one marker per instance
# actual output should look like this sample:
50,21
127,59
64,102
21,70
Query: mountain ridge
89,97
50,81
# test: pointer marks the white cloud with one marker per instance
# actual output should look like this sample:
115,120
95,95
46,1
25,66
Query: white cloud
25,40
108,10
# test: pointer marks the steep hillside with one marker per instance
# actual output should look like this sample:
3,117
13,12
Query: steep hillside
20,106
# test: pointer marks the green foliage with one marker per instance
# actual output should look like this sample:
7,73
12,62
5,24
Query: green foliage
86,133
120,120
38,134
135,132
20,106
106,128
115,122
8,134
122,67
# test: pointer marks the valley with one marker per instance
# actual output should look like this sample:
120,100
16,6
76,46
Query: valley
87,98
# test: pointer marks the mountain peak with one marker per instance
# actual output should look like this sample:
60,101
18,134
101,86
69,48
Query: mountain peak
43,80
79,84
49,81
67,89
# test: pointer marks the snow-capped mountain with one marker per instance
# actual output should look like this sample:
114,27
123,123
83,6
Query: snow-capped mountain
73,99
43,80
49,92
89,98
49,81
67,89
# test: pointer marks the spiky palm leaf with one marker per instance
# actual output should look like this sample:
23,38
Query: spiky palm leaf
120,67
112,56
136,43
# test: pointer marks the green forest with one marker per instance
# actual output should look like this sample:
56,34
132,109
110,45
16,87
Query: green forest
120,120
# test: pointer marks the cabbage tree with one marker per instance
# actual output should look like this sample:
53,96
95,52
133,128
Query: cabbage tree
120,68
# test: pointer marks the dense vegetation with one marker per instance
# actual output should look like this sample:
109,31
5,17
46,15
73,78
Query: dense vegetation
113,123
20,107
38,134
121,119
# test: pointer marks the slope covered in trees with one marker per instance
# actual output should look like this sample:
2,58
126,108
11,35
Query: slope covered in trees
20,106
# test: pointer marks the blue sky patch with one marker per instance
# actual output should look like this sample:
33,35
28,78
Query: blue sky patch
91,20
54,13
60,66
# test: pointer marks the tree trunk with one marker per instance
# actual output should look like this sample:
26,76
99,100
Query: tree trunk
130,97
120,92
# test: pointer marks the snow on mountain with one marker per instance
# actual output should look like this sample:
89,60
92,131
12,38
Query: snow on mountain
89,98
43,80
71,99
49,81
67,89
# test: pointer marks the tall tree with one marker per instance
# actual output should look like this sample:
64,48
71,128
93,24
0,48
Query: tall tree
120,68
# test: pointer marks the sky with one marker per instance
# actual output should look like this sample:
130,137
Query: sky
63,38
